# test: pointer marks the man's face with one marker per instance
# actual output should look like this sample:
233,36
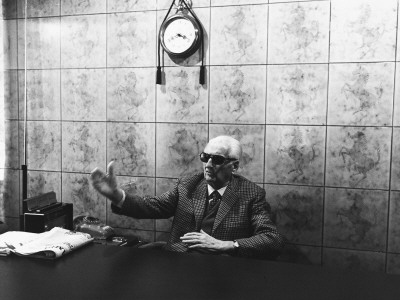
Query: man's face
217,175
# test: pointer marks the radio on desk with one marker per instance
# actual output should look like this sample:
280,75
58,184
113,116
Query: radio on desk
43,212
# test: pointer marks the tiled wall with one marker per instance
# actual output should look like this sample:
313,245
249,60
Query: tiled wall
309,87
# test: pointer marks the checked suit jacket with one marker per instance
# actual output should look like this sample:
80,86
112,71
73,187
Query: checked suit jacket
243,214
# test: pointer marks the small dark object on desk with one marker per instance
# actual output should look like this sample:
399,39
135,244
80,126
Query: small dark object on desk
131,241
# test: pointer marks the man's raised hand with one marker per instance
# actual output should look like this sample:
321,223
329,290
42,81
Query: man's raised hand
106,183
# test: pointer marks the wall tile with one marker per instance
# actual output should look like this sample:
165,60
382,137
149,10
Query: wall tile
237,94
358,157
76,189
251,138
354,260
355,219
22,142
393,264
83,93
165,4
2,216
40,182
40,8
11,147
394,223
133,147
126,5
306,255
20,8
278,1
76,7
19,92
162,236
237,36
43,145
182,98
9,9
10,191
298,212
295,154
10,41
297,94
131,94
10,94
298,32
361,94
43,97
396,115
395,184
236,2
43,43
83,41
131,39
363,30
3,153
178,149
163,229
83,146
12,223
164,185
138,186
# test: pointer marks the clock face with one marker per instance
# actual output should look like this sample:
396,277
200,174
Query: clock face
179,35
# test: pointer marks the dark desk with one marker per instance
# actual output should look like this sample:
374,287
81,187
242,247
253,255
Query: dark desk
111,272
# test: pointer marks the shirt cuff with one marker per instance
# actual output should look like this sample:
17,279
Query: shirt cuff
121,202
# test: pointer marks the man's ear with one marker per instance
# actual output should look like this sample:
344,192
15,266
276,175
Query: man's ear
235,166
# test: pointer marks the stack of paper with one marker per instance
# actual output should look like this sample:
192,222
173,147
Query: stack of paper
50,244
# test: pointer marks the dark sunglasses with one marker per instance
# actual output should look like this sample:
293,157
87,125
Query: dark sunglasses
216,159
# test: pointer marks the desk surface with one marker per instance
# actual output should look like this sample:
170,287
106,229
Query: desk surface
111,272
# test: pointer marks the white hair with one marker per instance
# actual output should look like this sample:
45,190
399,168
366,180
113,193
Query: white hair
233,147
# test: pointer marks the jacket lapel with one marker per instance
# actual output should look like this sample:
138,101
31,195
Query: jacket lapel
199,202
228,200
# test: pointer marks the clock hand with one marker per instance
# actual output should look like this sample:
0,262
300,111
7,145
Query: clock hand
182,36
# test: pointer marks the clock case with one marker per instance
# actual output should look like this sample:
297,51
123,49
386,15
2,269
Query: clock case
199,41
193,48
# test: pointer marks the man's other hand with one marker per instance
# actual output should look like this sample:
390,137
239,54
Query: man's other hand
202,240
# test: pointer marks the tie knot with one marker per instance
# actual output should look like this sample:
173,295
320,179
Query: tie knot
214,199
215,195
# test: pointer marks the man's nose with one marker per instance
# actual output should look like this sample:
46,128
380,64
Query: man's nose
209,163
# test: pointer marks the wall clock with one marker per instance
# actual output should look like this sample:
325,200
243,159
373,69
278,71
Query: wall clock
181,35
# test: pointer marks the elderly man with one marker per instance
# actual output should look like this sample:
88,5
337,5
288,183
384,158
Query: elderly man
216,211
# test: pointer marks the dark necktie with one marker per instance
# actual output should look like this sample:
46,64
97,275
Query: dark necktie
214,199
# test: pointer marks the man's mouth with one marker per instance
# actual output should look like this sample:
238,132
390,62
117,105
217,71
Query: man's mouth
209,173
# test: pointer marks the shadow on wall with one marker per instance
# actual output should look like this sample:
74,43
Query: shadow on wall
9,199
293,254
3,227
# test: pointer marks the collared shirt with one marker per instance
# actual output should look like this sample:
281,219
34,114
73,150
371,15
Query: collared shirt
221,191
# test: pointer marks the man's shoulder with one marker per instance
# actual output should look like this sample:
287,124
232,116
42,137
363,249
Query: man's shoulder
191,179
242,183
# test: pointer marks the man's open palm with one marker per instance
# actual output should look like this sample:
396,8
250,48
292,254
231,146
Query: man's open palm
106,183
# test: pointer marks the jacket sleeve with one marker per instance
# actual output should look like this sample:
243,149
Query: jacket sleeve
266,241
147,207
